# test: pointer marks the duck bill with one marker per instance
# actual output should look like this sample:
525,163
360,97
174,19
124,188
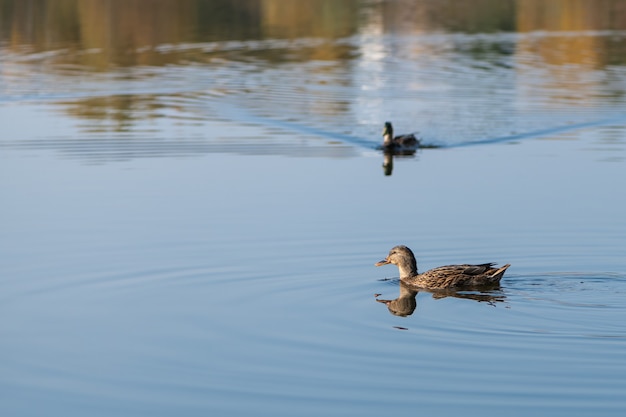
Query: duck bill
383,262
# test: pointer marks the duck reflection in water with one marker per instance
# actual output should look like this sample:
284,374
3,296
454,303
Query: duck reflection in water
406,303
388,160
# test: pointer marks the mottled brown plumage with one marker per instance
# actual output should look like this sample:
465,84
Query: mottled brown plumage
449,276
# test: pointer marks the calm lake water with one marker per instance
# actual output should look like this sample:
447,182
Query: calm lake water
193,203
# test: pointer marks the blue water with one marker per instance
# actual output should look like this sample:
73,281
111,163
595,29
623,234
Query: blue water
200,237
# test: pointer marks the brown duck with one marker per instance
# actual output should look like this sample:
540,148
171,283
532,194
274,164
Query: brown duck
443,277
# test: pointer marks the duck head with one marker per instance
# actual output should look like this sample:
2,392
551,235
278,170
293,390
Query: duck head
387,134
403,258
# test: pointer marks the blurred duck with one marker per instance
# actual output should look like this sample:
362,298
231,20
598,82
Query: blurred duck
398,143
443,277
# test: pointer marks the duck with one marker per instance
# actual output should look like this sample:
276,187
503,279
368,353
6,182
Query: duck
406,142
443,277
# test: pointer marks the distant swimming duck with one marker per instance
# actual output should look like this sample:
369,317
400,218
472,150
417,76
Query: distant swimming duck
443,277
398,143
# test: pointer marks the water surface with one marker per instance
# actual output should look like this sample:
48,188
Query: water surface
193,203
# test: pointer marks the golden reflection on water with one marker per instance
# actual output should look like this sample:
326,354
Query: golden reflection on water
567,17
568,39
116,112
574,44
125,32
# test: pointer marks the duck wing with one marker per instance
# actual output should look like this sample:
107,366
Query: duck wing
464,269
406,140
457,276
477,269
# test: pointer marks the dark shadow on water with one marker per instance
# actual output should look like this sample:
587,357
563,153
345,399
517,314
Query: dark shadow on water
388,157
406,303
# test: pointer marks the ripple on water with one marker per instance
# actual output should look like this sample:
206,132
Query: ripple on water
553,336
144,325
306,329
428,81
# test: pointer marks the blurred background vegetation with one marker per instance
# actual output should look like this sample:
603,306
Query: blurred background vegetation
124,32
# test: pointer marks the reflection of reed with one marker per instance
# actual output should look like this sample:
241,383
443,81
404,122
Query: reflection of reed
126,32
570,15
309,18
572,24
114,113
120,26
570,44
562,16
474,16
123,31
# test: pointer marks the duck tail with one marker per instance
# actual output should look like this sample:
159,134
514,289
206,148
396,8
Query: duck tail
499,272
